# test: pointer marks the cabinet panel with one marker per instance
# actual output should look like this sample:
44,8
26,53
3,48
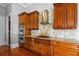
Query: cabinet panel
37,47
31,20
62,51
42,46
27,21
66,44
59,15
45,49
65,15
29,43
36,20
34,17
65,48
22,18
27,32
71,15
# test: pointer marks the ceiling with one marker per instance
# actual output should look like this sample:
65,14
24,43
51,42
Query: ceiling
21,4
3,4
25,4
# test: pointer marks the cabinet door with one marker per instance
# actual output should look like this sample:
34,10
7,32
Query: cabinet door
45,49
62,51
65,16
31,20
27,32
36,20
71,15
59,15
27,21
42,47
37,46
28,43
22,19
27,25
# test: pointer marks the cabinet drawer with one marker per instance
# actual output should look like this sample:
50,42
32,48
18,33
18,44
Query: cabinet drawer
42,41
66,44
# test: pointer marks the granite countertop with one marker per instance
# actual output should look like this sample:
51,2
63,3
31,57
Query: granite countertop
75,41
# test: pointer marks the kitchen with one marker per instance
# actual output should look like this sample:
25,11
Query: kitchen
47,29
38,36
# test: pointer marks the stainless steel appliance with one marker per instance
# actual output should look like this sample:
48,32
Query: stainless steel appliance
21,33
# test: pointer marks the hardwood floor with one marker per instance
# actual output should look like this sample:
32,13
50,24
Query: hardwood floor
6,51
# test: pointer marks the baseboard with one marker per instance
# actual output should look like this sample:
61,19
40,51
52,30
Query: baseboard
15,45
3,43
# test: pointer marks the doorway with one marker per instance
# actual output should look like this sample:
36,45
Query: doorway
9,30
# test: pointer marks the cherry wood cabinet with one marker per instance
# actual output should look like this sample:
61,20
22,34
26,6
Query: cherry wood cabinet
31,17
51,47
65,16
29,43
23,18
46,47
71,15
37,46
27,32
59,15
65,49
30,21
62,51
42,46
34,23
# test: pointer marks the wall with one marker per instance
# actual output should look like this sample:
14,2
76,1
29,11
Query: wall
8,10
2,25
13,10
2,30
16,10
2,11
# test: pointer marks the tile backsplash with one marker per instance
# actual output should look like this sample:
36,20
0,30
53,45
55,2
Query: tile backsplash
43,30
63,33
48,31
35,32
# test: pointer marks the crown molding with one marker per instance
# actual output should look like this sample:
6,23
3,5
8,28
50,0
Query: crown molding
25,5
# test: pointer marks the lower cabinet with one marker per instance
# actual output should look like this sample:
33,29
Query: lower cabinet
64,50
51,47
42,46
37,46
28,43
46,49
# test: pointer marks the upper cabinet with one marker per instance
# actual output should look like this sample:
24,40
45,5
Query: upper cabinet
23,17
65,16
30,20
34,20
